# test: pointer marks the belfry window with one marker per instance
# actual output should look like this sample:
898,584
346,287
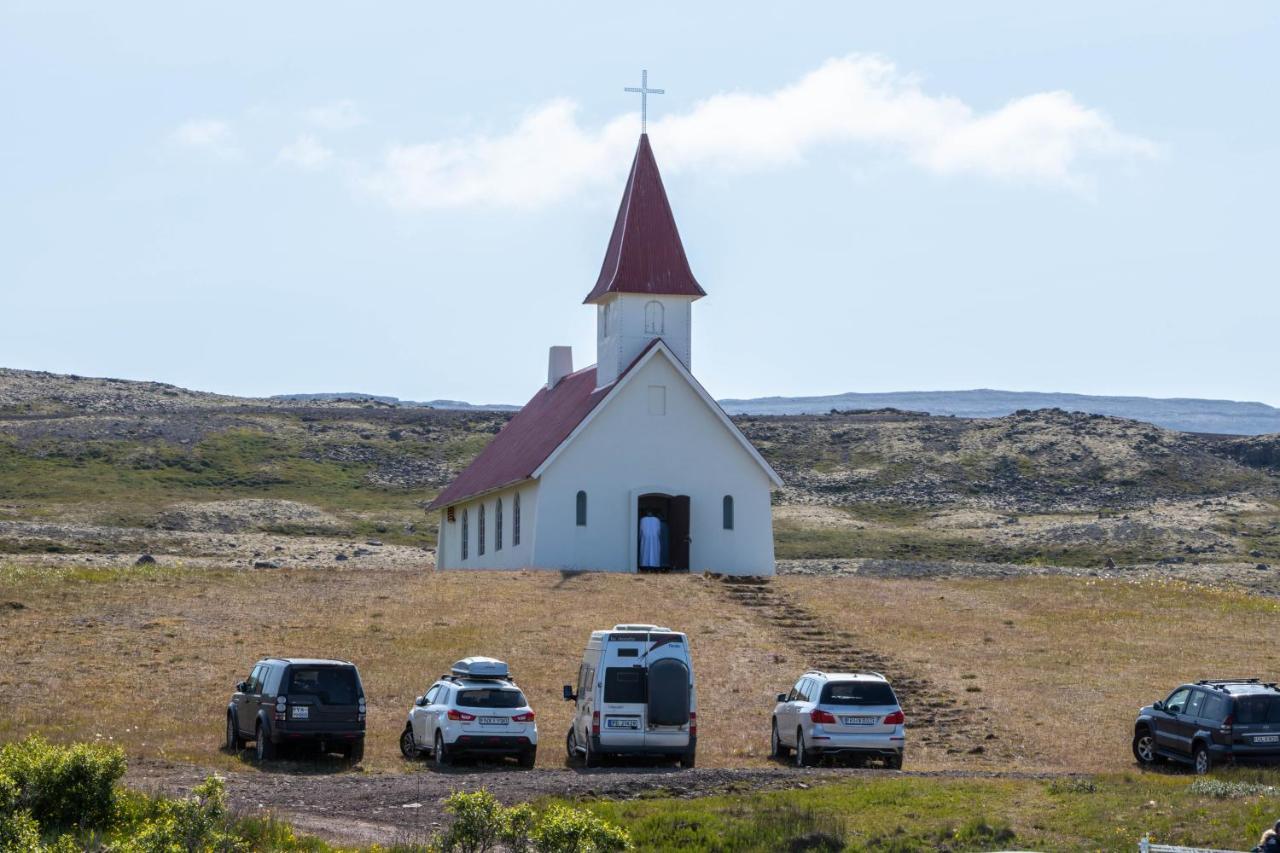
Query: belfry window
497,525
480,532
465,535
515,520
728,512
582,509
653,318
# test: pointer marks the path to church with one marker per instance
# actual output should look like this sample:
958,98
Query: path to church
391,808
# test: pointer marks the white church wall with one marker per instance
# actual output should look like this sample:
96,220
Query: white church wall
624,328
630,449
510,556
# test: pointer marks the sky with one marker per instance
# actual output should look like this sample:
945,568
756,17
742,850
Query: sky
414,198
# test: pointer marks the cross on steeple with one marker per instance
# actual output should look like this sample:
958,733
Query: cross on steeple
644,92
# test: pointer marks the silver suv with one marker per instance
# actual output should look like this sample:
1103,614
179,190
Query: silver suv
854,715
474,710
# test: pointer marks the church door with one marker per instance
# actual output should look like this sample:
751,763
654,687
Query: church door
680,533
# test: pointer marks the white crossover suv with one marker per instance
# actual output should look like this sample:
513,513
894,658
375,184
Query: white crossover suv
474,710
855,715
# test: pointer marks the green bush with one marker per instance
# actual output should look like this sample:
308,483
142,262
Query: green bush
481,823
196,823
63,786
19,831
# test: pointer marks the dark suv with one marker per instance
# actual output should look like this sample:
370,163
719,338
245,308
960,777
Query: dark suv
1211,722
299,700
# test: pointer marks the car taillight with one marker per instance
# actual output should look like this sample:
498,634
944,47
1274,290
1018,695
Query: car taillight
461,715
595,722
1225,728
820,716
897,718
693,722
526,717
281,707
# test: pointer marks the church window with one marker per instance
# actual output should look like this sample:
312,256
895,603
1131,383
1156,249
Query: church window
582,509
653,318
465,535
728,512
480,531
515,520
497,525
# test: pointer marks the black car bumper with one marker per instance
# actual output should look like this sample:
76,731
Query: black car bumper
491,744
284,732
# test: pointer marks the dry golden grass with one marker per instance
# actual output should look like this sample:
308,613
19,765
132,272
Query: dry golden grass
1062,664
149,656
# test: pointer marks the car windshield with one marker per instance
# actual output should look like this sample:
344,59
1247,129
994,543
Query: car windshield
858,693
490,697
1252,710
332,685
628,684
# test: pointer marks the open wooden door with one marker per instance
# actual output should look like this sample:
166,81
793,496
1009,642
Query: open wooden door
680,533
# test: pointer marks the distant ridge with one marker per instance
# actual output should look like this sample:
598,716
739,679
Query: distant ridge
1226,417
355,396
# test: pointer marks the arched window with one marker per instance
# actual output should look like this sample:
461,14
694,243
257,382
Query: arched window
480,533
728,512
465,535
653,318
515,520
582,509
497,525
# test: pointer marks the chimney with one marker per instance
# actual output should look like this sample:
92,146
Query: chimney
559,365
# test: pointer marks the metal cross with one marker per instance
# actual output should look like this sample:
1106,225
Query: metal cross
645,92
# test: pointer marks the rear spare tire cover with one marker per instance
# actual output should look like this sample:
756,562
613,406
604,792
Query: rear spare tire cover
668,693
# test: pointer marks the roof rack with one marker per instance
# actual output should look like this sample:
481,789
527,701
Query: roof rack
1229,681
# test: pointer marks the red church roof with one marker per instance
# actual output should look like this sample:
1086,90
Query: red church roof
531,435
645,254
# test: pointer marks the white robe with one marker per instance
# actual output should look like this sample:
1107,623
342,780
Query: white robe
650,541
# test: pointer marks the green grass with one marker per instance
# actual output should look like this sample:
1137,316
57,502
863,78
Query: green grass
888,814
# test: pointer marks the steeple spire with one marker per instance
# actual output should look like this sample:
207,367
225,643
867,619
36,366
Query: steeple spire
645,254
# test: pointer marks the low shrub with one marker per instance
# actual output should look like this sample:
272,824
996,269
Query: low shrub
199,822
482,824
567,830
1222,790
63,786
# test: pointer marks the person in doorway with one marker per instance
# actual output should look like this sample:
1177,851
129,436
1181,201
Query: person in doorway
650,541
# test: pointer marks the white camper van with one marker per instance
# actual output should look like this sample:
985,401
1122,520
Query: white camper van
634,696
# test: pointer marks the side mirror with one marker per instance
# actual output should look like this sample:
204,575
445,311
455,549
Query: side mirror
569,695
1159,705
782,697
421,701
242,686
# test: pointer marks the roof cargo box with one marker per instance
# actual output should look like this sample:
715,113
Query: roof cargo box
480,667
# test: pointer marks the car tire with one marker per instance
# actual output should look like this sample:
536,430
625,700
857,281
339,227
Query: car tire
1144,747
1201,760
235,743
589,758
689,760
894,762
441,752
408,748
804,758
571,746
528,758
263,747
355,752
777,749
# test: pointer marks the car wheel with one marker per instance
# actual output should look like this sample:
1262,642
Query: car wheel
689,760
589,758
803,758
528,758
408,748
571,746
1144,747
265,749
1201,760
355,751
777,749
443,758
234,742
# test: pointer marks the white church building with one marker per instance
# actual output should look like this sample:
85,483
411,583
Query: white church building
572,480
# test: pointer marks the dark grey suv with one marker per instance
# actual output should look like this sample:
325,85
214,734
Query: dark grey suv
1211,722
299,700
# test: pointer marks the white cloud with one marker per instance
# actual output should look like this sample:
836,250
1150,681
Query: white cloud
212,136
339,115
1045,139
306,152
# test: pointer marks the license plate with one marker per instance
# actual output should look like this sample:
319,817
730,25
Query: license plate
301,712
858,721
1267,739
494,721
622,724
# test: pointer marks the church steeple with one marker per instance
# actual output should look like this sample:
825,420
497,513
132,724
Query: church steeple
645,254
645,289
